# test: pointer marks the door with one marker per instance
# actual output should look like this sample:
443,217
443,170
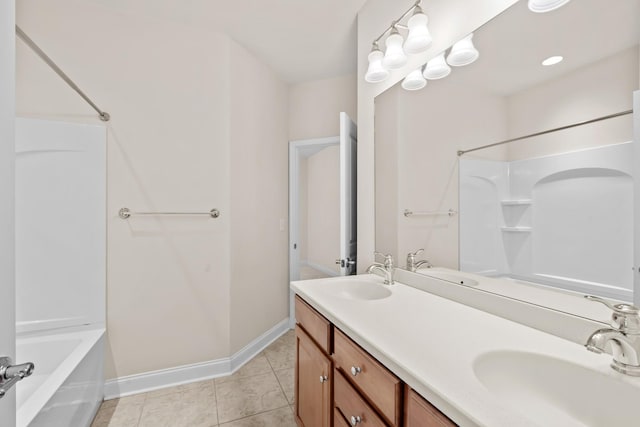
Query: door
348,195
7,164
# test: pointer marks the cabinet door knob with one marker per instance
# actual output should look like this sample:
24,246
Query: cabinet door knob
324,378
355,370
355,420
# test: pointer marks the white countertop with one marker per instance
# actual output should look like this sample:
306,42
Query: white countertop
431,343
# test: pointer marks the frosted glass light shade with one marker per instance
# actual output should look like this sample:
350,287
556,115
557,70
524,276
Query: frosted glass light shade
542,6
437,68
414,81
463,52
394,57
376,72
419,38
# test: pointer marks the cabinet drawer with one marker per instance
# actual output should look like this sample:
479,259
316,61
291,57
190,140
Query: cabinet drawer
349,402
381,387
318,328
338,419
420,413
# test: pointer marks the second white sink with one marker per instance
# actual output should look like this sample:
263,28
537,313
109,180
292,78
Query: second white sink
556,392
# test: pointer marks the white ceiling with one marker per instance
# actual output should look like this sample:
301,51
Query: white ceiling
302,40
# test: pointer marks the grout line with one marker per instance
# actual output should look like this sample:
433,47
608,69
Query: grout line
215,393
255,415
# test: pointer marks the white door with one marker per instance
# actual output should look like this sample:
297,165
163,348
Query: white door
7,163
348,196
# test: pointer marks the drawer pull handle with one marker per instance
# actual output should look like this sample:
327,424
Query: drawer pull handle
355,420
324,379
355,370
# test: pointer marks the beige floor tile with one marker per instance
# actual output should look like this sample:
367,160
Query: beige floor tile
286,378
256,366
281,417
118,414
282,353
163,391
243,397
198,391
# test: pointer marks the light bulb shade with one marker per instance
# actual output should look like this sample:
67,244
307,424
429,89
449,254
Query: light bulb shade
414,81
376,72
542,6
463,52
437,68
394,57
419,38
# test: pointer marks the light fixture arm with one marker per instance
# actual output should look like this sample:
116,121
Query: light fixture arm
396,23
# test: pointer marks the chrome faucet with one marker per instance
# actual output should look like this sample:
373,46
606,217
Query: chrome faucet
412,264
386,268
624,337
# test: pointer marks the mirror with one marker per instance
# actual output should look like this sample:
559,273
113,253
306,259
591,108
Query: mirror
553,210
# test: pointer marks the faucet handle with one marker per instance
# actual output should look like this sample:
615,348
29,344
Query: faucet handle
416,253
388,258
625,317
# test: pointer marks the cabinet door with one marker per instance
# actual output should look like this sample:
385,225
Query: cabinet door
313,383
420,413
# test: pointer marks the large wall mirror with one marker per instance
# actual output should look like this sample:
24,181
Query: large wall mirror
556,209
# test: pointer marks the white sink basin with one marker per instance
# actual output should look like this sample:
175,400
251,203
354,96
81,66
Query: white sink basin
556,392
362,290
449,277
366,289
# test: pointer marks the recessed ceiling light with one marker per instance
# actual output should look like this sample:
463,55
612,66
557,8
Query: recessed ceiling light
543,6
552,60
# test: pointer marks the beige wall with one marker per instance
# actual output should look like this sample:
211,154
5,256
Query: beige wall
314,107
182,130
259,196
373,18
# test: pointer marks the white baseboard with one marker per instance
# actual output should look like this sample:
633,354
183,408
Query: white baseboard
149,381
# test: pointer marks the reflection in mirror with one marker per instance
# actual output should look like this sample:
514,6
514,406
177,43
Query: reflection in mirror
554,209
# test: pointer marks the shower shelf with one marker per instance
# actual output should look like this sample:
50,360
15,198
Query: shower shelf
520,202
516,229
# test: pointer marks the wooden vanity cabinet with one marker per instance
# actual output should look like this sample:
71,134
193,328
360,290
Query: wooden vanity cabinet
336,379
420,413
313,373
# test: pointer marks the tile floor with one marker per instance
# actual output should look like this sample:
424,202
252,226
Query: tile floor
259,394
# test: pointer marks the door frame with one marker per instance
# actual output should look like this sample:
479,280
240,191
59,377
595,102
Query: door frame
296,149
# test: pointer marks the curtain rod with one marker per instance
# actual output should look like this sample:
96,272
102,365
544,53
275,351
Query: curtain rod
586,122
104,116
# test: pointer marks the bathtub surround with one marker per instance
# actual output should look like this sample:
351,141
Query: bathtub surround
7,167
211,134
60,270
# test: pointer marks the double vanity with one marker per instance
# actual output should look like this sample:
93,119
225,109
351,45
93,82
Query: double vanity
373,354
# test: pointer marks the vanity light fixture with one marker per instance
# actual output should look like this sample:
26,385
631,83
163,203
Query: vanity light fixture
542,6
552,60
376,72
419,38
463,52
414,81
437,68
395,56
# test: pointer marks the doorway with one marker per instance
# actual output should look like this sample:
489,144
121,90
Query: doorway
322,205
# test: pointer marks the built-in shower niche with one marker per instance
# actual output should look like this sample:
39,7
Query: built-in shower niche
564,220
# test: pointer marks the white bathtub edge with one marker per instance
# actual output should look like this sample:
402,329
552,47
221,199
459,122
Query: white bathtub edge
154,380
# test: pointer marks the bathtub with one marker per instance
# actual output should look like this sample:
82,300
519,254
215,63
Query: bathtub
66,388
